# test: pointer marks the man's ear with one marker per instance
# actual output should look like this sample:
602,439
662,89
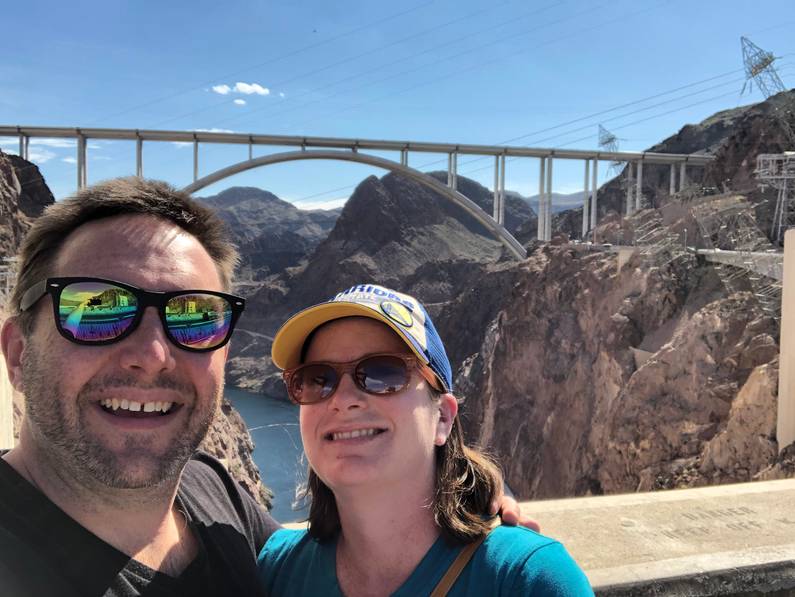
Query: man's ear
12,343
448,409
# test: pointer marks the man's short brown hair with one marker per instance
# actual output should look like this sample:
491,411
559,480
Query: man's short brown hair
117,197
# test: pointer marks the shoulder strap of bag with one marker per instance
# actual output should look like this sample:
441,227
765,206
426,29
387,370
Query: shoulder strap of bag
448,580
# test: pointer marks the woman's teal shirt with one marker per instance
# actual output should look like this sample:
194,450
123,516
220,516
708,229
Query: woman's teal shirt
511,561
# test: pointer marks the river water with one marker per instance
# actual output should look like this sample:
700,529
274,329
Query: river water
278,451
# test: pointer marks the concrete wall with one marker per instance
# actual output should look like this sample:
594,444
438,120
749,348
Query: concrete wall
785,425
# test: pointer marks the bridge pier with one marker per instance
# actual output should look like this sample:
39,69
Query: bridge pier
541,189
594,190
24,147
638,189
139,157
682,176
195,159
81,162
452,170
498,208
501,221
548,199
585,201
629,205
672,183
495,208
404,157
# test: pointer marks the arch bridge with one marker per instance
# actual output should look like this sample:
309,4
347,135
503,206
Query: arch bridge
351,149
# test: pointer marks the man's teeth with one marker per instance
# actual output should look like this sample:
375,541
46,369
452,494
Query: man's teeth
131,405
354,434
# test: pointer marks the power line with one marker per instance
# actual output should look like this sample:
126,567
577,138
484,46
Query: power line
271,60
355,76
472,171
603,112
479,65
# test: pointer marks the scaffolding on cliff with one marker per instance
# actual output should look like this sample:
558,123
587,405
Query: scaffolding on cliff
774,170
728,223
659,246
8,273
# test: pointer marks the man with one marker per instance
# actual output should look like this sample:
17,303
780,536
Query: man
104,493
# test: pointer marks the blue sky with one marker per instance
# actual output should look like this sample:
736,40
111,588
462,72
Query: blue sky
464,71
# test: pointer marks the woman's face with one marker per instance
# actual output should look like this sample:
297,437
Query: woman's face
401,429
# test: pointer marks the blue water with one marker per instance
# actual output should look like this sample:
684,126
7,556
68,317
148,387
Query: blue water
278,452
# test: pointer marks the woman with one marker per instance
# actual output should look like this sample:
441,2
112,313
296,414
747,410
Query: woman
396,496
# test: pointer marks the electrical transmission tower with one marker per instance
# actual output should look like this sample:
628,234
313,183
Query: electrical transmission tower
759,67
609,142
775,170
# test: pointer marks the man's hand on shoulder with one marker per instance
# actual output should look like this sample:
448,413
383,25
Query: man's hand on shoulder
511,514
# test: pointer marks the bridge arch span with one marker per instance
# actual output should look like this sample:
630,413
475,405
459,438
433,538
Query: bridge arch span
499,232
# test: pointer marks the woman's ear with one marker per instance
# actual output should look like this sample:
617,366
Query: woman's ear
448,409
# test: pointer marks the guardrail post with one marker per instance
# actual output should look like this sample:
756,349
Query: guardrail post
785,422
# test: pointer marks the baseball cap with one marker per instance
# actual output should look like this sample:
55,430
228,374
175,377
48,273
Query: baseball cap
401,312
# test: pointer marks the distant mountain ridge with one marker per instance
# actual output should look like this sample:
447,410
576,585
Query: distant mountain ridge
272,234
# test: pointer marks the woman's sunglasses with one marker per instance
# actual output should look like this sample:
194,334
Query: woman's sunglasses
379,374
94,311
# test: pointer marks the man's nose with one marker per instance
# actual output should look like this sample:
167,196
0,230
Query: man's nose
148,350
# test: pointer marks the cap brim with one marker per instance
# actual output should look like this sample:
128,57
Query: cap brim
290,339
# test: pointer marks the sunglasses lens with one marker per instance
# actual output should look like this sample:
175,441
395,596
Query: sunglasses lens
312,383
96,311
199,321
382,374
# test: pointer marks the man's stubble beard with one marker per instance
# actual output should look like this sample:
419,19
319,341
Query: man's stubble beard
60,426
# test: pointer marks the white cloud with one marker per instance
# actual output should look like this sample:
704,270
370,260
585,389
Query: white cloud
41,156
281,95
240,102
222,89
251,88
69,160
57,143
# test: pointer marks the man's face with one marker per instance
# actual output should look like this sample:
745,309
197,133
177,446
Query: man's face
68,386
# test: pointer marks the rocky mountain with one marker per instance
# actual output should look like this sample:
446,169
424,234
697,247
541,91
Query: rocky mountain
23,196
735,137
393,231
272,234
581,376
590,379
560,201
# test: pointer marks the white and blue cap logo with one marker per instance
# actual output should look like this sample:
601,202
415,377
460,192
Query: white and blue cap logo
408,317
403,313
